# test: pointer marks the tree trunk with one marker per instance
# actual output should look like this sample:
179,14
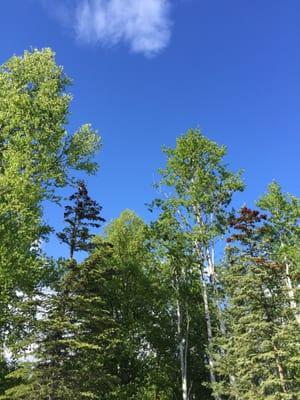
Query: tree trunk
208,322
202,255
183,353
279,366
290,289
213,279
209,332
280,370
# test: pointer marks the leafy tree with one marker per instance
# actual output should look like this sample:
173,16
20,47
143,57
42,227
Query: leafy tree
197,189
36,156
180,276
133,296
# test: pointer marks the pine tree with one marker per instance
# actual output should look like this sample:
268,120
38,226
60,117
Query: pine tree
83,214
74,332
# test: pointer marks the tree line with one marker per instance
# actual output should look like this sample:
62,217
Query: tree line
201,303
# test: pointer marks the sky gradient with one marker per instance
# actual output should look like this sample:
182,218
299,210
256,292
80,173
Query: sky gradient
146,72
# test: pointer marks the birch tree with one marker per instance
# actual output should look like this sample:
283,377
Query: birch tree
197,188
181,277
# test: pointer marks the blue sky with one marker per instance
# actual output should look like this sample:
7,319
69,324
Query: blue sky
145,71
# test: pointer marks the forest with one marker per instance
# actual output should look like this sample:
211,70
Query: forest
202,303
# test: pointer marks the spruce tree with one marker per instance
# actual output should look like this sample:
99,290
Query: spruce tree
283,210
260,349
80,216
75,332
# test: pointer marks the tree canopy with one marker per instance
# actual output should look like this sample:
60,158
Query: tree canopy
201,302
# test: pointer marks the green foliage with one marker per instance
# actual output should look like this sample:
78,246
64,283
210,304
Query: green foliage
260,351
34,108
36,156
197,188
180,277
137,299
284,234
201,185
148,309
82,214
37,153
75,335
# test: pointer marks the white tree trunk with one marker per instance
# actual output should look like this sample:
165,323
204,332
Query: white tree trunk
203,255
213,278
208,327
183,353
290,289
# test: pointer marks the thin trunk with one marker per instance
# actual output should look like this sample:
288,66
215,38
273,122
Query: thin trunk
208,315
279,366
186,354
183,352
280,370
202,254
74,233
210,255
290,289
209,331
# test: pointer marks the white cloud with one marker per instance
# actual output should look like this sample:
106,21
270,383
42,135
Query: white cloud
144,25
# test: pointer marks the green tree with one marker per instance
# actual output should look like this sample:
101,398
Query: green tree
283,222
75,333
71,351
134,294
79,217
197,189
180,276
260,348
37,154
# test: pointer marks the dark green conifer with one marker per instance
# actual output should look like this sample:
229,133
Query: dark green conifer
82,214
260,350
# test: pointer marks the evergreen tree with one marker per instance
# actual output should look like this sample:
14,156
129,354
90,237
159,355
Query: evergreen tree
260,349
74,327
283,222
72,350
83,214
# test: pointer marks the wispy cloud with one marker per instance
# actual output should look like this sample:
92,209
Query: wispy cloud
143,25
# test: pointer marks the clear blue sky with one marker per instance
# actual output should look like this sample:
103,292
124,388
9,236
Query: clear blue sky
230,67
